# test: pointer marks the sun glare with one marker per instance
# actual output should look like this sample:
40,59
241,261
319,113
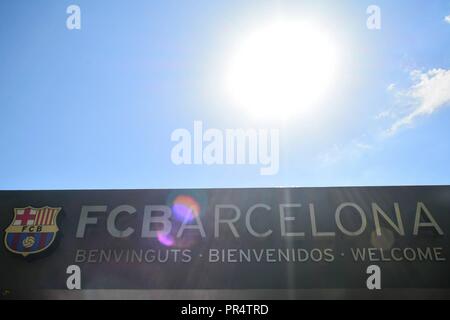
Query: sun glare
281,70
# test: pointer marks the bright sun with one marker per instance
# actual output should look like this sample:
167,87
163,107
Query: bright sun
282,69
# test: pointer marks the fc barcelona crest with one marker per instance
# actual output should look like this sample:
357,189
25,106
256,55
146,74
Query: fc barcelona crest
33,230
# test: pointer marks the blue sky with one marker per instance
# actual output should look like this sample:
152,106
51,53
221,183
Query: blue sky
95,108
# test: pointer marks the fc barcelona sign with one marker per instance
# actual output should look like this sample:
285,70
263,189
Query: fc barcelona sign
267,243
32,230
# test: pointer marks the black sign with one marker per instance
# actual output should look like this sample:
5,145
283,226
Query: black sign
239,243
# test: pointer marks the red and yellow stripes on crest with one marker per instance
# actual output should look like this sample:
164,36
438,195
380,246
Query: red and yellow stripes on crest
46,216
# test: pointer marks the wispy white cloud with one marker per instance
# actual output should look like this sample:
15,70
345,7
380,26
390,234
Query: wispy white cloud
447,19
391,87
351,151
430,91
384,115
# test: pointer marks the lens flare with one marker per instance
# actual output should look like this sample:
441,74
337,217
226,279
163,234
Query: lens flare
185,208
166,239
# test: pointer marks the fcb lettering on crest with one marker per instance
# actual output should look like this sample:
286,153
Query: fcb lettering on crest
32,230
